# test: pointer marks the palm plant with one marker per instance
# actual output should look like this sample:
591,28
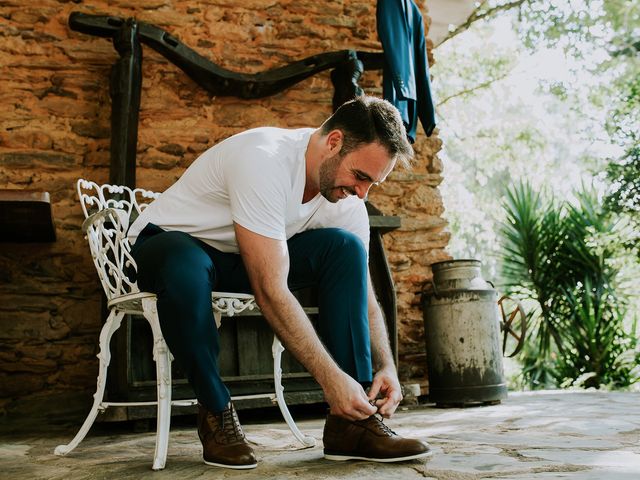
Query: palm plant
577,317
531,235
596,341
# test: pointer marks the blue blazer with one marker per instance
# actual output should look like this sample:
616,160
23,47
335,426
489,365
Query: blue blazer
405,81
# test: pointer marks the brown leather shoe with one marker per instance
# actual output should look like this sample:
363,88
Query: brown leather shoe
223,442
368,439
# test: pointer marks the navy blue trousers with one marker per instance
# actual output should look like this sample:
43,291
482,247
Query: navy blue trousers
183,271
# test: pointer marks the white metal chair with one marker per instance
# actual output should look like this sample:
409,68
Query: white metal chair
107,210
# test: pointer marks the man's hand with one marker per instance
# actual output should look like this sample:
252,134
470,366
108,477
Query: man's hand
347,398
386,383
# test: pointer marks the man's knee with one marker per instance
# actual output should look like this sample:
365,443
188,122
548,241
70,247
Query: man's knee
341,243
327,255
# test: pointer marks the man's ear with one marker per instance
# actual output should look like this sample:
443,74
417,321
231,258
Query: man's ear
334,141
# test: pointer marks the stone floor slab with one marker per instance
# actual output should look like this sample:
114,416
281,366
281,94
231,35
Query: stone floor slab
572,435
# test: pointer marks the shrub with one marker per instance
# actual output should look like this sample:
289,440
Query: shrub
552,260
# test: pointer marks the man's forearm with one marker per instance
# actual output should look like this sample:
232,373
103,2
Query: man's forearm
380,347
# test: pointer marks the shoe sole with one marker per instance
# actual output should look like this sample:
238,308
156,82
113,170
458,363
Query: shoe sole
234,467
342,458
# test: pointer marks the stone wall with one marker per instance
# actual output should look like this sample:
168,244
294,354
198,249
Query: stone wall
55,127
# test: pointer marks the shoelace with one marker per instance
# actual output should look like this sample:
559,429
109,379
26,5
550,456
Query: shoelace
379,424
231,425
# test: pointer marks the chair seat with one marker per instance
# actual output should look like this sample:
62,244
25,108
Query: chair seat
223,303
130,303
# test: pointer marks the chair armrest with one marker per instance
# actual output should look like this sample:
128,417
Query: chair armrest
107,213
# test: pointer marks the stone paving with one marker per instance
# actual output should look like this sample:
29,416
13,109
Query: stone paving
543,435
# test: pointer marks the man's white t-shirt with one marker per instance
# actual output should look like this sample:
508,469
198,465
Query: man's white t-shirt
256,179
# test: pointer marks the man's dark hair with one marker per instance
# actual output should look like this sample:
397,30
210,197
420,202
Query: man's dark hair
366,120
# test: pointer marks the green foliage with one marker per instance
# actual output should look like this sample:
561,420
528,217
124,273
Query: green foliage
624,174
562,23
597,341
577,333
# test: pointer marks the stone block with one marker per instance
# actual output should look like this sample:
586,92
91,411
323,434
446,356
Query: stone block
97,158
30,365
435,166
157,160
425,200
74,375
35,159
90,129
26,139
30,325
425,222
429,258
172,149
20,384
86,351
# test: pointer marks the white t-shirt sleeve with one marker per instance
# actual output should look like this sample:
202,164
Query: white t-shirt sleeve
258,190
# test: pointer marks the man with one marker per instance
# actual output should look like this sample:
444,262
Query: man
268,211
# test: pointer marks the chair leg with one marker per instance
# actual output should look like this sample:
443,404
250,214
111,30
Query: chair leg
217,316
162,357
104,356
277,350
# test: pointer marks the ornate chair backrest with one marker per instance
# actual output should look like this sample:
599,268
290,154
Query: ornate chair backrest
108,211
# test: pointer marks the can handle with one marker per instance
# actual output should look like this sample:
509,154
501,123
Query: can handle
506,326
435,290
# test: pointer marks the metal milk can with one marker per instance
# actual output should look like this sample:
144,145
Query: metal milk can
463,327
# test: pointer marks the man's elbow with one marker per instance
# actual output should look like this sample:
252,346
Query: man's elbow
268,294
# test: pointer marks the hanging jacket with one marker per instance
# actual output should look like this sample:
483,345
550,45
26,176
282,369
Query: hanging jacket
405,81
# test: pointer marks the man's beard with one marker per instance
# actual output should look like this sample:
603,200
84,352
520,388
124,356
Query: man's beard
328,173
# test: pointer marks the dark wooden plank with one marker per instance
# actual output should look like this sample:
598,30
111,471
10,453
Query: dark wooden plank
228,357
248,347
25,216
264,346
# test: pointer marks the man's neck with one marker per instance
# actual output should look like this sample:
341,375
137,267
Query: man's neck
312,160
